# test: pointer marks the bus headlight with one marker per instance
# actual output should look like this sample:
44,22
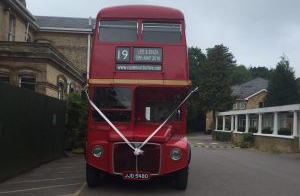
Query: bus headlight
176,154
97,151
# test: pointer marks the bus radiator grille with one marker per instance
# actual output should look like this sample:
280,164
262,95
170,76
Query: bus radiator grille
125,161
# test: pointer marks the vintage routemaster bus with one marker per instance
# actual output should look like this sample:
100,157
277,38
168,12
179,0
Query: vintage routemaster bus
138,77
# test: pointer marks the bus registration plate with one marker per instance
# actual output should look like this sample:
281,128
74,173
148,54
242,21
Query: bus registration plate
136,176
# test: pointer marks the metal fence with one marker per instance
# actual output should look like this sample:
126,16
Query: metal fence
32,128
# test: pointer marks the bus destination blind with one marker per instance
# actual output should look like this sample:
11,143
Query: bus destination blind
142,59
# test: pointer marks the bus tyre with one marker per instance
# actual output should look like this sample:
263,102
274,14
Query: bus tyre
181,178
92,176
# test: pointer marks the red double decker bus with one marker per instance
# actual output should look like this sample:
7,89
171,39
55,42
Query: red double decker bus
138,77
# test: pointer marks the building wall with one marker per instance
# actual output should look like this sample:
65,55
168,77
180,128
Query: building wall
16,68
3,23
46,73
72,45
20,25
253,102
209,121
54,76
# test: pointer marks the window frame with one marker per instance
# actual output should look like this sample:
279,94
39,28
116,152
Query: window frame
11,28
28,76
3,75
122,41
166,25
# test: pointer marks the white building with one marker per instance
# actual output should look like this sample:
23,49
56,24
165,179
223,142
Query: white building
279,122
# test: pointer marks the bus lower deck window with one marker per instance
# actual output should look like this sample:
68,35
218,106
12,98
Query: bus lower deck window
161,32
118,31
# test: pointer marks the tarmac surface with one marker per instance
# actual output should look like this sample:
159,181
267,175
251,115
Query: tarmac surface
216,169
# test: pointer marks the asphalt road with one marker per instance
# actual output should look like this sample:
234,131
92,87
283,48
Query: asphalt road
216,169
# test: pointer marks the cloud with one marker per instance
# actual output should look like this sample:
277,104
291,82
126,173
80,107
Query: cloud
257,32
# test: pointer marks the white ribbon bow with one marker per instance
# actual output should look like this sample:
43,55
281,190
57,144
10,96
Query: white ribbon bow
136,150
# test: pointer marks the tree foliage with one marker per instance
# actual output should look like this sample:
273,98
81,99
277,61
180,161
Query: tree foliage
282,89
77,121
196,60
215,84
262,72
240,74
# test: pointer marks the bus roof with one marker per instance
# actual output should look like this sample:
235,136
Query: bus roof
140,12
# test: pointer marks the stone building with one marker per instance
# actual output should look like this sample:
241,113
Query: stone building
46,54
249,95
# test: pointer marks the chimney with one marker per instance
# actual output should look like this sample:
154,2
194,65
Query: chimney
23,2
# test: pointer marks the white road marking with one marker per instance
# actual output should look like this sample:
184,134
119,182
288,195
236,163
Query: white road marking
34,189
77,192
72,172
199,143
214,143
42,180
80,190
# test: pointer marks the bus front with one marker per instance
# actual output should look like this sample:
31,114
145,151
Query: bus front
138,78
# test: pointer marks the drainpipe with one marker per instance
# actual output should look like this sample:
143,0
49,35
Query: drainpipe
89,51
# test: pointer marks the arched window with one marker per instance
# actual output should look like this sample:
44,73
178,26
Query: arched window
60,91
4,78
61,86
27,81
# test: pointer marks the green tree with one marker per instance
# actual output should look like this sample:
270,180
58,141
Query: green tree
282,89
240,74
298,85
196,60
215,84
262,72
77,121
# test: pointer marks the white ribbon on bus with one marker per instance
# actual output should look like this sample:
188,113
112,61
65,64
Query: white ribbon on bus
136,150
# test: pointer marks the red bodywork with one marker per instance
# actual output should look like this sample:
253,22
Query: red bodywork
145,85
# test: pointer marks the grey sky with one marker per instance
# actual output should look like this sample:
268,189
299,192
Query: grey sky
257,32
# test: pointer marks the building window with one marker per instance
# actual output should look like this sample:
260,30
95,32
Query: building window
4,78
242,105
11,28
261,104
27,81
235,106
60,90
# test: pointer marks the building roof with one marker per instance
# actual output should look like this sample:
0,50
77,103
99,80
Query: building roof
141,12
249,88
65,23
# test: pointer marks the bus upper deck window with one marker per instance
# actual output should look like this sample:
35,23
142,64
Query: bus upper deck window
162,32
118,31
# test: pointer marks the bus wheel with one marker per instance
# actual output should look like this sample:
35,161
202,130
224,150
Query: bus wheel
92,176
181,178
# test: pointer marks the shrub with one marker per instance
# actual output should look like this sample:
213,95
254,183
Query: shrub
248,140
241,129
284,131
252,130
267,130
77,121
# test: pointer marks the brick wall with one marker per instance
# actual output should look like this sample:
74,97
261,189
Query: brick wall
20,25
71,45
253,102
3,23
209,121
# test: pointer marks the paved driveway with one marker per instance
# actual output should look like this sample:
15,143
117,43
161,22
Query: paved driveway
216,169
